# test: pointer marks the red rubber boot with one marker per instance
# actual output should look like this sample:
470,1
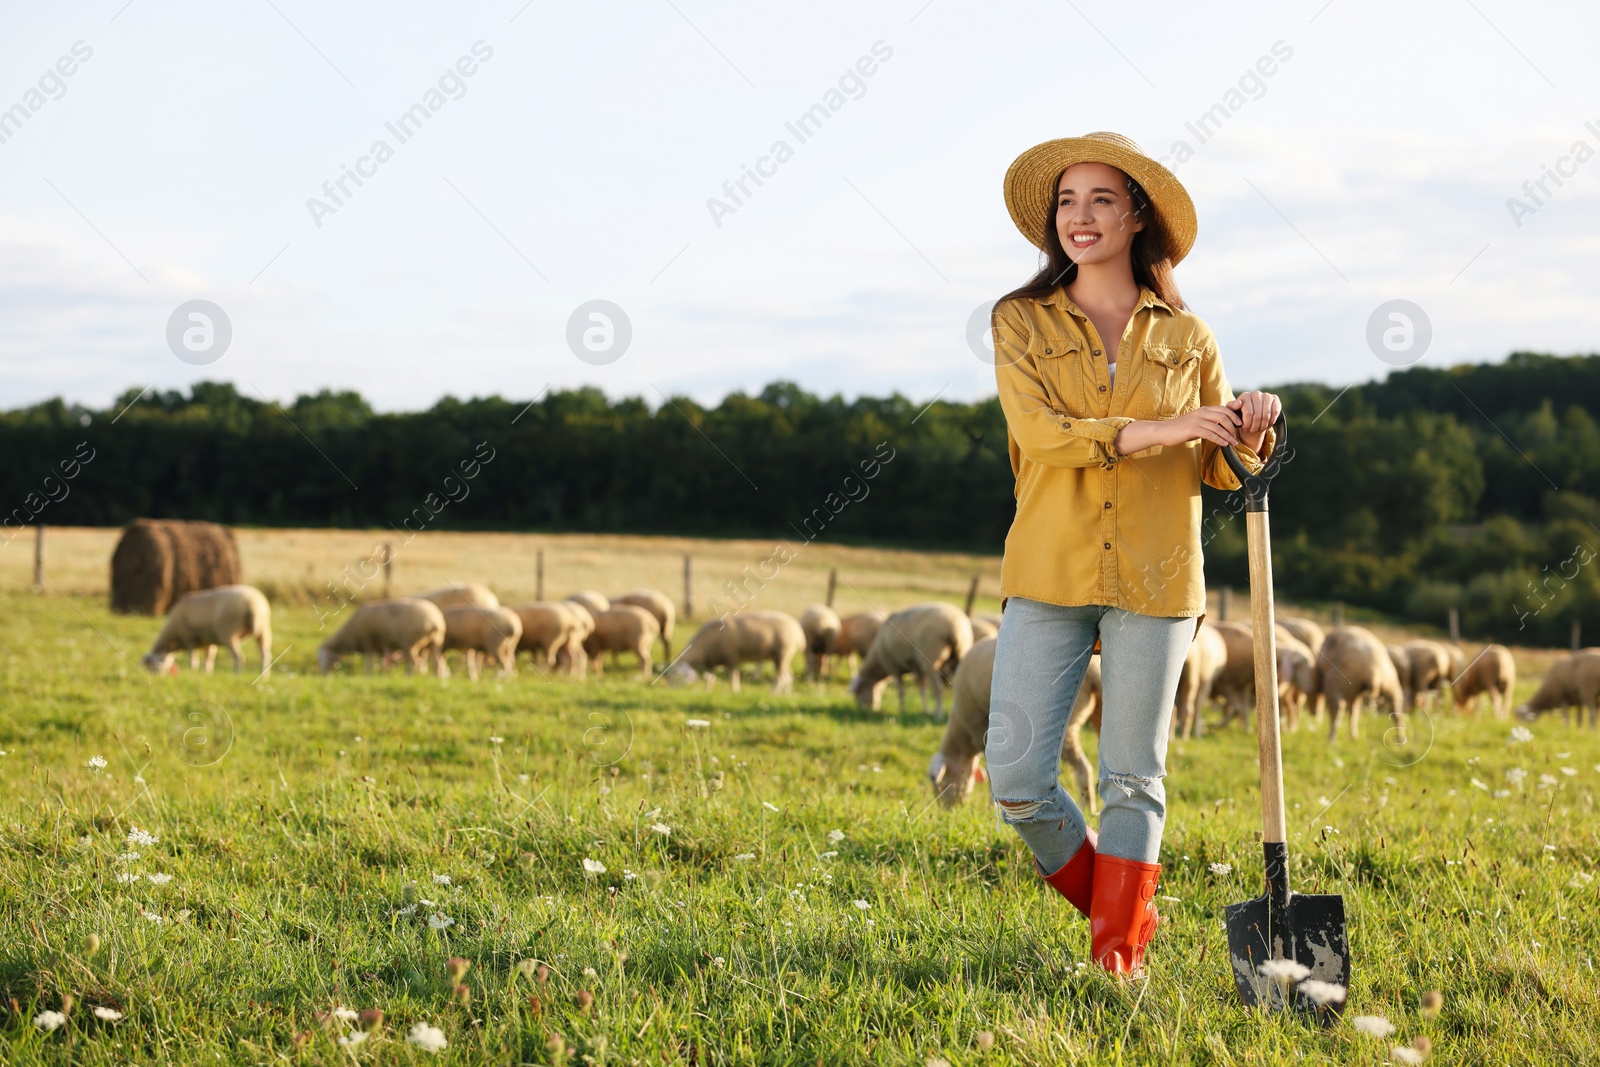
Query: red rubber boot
1122,913
1075,879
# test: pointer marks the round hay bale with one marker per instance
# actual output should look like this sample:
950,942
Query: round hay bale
157,561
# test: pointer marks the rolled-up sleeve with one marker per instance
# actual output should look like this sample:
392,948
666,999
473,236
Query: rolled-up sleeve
1214,390
1043,434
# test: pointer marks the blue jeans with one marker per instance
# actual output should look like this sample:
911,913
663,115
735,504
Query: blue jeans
1039,664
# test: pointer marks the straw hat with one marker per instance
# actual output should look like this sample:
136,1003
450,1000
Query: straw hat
1031,184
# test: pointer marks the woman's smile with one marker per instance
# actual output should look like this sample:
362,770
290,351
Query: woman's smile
1083,238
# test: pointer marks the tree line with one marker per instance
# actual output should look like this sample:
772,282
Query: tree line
1475,487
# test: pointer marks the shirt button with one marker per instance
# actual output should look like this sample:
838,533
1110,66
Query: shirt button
1048,351
1102,388
1097,351
1108,544
1108,505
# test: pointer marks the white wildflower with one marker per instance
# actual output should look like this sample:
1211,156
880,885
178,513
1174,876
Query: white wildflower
137,836
698,724
441,879
1516,775
138,779
1548,781
1222,868
353,1038
1501,794
152,916
409,909
1407,1054
440,921
158,879
127,876
107,1015
497,740
745,856
769,805
827,855
1286,971
861,905
1479,785
718,961
1521,735
1321,993
427,1038
345,1015
49,1020
593,866
627,875
661,828
1373,1025
1570,772
835,836
97,763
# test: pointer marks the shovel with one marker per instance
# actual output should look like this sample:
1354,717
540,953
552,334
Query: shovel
1280,924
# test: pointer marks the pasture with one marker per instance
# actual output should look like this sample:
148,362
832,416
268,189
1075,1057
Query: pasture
645,874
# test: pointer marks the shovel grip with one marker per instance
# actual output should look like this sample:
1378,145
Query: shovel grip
1256,485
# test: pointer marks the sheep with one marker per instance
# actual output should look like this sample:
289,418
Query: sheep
492,632
954,769
1571,682
658,604
1236,684
1402,668
460,595
594,602
1299,683
1430,667
571,656
1355,665
858,631
224,615
821,625
1305,631
410,625
547,626
928,639
1202,666
624,628
743,637
982,627
1493,671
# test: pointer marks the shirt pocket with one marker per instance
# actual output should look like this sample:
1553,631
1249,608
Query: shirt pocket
1171,379
1059,358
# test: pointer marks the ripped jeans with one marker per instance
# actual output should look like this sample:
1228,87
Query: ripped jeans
1039,664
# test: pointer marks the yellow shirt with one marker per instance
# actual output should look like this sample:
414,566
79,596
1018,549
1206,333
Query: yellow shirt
1094,526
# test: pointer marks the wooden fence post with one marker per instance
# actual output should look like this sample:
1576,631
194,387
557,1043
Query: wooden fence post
38,558
388,569
688,586
538,575
1577,634
833,583
1455,626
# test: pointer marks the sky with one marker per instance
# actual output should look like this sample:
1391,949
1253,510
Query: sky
575,153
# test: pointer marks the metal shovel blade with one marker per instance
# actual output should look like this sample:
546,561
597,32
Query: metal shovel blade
1314,929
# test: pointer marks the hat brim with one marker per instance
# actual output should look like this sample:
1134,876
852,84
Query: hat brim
1031,187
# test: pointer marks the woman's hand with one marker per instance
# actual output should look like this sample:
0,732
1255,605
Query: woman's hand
1217,422
1257,412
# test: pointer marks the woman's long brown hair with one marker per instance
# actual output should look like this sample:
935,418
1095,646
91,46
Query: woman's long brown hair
1150,255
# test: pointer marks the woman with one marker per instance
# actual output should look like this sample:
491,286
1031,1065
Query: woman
1116,409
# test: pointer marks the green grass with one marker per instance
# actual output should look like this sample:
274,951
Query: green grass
291,855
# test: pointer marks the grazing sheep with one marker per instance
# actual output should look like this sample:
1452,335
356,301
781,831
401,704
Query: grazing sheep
227,615
461,595
928,639
1202,667
594,602
1571,682
954,769
984,626
624,628
1354,666
743,637
1305,631
492,632
1493,671
1402,668
1236,684
1430,668
1299,683
1458,660
822,626
409,625
571,656
546,628
658,604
